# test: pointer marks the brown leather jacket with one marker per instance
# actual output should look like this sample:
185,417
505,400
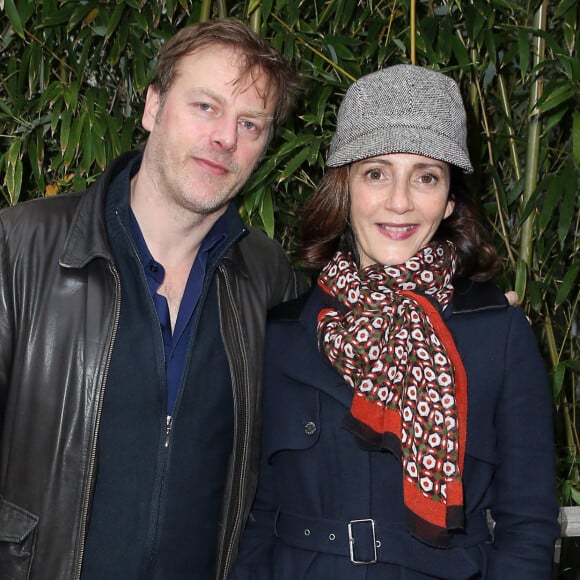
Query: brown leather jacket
59,309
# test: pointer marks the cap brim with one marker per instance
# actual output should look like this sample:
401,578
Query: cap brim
398,139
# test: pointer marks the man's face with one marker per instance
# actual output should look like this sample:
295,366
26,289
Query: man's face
208,134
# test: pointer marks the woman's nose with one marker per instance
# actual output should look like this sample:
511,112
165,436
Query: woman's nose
398,198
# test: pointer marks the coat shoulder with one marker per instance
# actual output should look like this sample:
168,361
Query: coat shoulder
472,296
288,311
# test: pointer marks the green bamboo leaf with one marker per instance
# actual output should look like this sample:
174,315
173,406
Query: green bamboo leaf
267,213
490,45
265,171
114,20
80,15
555,97
126,140
524,51
113,131
14,18
571,26
14,171
550,202
99,151
295,163
266,9
339,50
65,124
322,100
314,151
530,205
445,40
568,179
72,147
432,28
565,7
71,95
32,153
140,68
554,119
536,295
575,494
576,137
479,21
141,21
568,284
460,52
558,376
87,150
35,68
296,142
55,115
5,109
521,278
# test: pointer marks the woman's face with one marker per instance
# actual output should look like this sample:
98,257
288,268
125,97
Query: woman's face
397,202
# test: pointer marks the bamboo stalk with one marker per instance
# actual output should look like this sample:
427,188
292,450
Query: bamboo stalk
256,20
205,10
510,126
222,9
413,21
532,156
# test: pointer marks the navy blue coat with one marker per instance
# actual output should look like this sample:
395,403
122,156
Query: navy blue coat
324,502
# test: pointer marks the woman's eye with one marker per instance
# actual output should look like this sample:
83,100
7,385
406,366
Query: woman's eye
374,174
428,178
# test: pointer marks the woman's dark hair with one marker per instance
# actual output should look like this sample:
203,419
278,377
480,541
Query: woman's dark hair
326,228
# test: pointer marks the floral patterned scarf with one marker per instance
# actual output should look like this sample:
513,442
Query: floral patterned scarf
410,387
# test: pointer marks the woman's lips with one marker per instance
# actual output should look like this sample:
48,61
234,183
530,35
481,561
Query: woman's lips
397,231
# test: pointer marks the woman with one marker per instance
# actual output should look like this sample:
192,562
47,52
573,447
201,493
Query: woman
407,416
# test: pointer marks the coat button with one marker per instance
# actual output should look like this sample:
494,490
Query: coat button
310,428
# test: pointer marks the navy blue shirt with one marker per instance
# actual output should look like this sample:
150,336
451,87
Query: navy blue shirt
176,342
164,494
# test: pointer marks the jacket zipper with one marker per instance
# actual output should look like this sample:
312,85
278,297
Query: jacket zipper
236,333
93,453
168,425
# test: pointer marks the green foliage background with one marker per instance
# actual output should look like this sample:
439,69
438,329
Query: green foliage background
73,74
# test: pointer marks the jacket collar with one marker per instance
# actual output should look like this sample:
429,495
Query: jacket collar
87,236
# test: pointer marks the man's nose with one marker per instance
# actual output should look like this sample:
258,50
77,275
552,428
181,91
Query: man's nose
225,133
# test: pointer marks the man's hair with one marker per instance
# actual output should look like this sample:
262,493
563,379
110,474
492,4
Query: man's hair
257,56
326,227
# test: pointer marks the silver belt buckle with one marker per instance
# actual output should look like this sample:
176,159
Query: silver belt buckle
351,541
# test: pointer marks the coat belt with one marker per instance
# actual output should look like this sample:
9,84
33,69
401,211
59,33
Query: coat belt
367,541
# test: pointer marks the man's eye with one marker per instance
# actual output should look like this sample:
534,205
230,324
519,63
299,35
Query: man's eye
250,126
204,106
427,178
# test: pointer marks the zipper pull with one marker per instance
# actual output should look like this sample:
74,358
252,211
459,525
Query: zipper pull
168,423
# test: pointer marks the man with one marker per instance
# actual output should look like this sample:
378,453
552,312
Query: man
131,335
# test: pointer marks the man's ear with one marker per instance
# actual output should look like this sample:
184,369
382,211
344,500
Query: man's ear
152,106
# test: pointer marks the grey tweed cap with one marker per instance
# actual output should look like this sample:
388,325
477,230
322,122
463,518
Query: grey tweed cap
402,109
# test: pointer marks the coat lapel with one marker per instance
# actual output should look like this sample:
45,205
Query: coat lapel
303,361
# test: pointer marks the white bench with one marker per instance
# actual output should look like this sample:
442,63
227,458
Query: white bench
570,522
